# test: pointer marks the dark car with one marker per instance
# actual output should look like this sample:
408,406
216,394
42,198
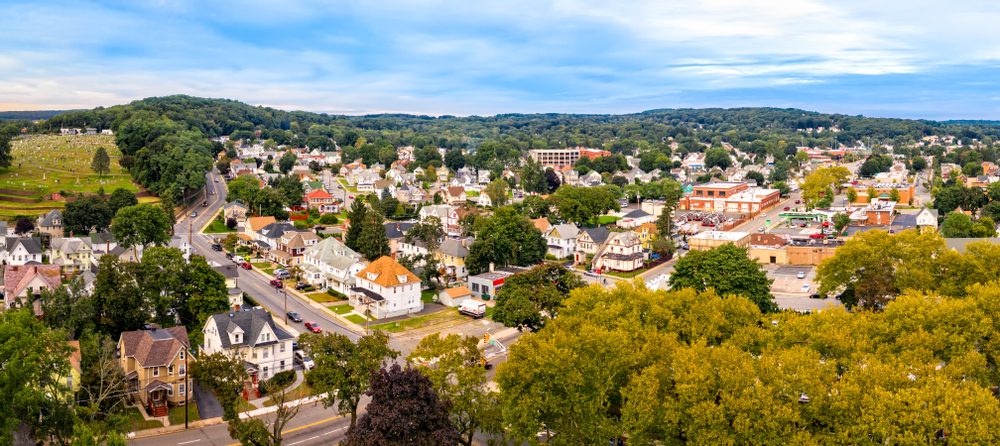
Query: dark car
313,327
295,317
319,227
787,208
216,247
797,201
815,296
277,283
205,204
301,286
229,255
246,265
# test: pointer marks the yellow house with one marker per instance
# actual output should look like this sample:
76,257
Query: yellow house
646,233
155,362
452,254
73,379
71,254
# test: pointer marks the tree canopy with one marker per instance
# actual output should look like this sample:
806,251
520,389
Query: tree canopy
728,270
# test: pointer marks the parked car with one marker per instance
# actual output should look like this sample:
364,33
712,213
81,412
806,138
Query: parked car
277,283
797,201
216,180
801,275
305,361
295,317
787,208
281,274
194,214
761,229
313,327
216,247
301,286
319,227
230,255
350,196
815,296
817,236
803,225
238,260
246,265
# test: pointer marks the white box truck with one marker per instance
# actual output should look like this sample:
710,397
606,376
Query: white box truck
473,308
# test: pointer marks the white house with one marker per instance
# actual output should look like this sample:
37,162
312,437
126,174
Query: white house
22,250
927,218
265,347
331,264
636,218
386,289
621,252
562,240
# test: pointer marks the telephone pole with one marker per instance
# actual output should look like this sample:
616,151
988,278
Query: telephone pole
187,388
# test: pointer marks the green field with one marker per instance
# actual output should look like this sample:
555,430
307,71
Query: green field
343,309
43,165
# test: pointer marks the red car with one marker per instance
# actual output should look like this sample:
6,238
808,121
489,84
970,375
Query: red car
787,208
313,327
797,201
817,236
246,265
277,283
351,197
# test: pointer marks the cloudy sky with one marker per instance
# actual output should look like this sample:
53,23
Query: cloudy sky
887,58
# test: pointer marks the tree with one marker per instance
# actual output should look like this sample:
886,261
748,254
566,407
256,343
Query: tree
385,193
290,189
672,193
34,393
957,225
757,176
446,361
69,309
388,206
497,191
801,157
505,238
85,215
552,180
328,219
372,242
231,223
226,376
287,161
717,156
894,195
728,270
101,164
871,193
840,221
142,225
783,189
24,226
429,232
356,217
121,198
405,410
919,163
167,205
343,368
822,180
529,299
454,159
852,195
119,304
533,177
985,227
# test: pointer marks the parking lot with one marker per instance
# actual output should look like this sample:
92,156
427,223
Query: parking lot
786,279
693,222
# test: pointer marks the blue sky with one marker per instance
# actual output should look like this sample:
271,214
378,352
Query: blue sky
912,59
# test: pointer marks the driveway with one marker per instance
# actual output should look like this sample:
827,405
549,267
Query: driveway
208,405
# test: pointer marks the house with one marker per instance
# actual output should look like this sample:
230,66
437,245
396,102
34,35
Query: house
382,185
100,243
320,200
236,211
455,195
408,193
542,224
181,243
24,250
561,240
621,252
486,285
636,218
51,223
252,334
396,233
451,253
331,264
588,242
232,274
309,186
366,182
440,211
72,255
72,380
155,362
291,246
442,174
253,226
453,224
270,233
927,218
386,289
23,284
454,297
484,200
646,233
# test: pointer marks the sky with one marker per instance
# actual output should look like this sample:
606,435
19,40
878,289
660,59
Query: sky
887,58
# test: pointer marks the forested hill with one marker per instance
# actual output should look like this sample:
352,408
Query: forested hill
216,117
30,115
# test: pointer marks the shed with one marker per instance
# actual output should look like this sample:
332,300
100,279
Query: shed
454,297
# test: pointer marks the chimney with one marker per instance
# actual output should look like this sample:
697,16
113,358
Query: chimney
463,242
491,267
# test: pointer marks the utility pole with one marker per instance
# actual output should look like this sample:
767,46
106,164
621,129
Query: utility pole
187,388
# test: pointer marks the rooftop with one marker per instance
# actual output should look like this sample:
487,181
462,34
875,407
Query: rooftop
721,235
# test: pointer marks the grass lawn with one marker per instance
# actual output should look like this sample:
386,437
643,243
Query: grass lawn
625,275
320,297
606,219
428,296
177,413
244,405
137,422
344,309
357,319
420,321
472,193
302,391
217,227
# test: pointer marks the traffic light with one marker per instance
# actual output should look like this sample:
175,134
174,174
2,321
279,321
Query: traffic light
486,337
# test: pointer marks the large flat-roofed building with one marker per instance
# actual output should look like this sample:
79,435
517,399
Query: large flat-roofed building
559,158
714,239
730,197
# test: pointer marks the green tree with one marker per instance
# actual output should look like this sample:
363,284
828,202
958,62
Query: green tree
717,157
505,238
343,368
372,242
118,302
529,299
497,191
287,161
454,159
957,225
101,164
871,193
852,195
801,158
141,225
356,218
841,221
919,163
533,176
894,195
68,308
429,232
445,360
167,205
85,215
121,198
290,189
984,228
728,270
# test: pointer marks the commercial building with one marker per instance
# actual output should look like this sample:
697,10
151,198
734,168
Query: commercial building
730,197
560,158
714,239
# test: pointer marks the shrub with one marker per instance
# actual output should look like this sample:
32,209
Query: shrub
300,224
550,257
231,223
249,300
328,219
336,294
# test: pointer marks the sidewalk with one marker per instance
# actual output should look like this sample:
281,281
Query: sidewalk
293,292
299,378
175,428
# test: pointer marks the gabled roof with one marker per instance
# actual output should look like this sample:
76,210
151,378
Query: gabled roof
458,291
396,230
298,239
455,191
387,271
564,231
229,271
252,323
541,223
30,244
255,223
276,230
47,218
638,213
16,278
233,204
333,252
154,347
456,248
318,193
69,245
598,235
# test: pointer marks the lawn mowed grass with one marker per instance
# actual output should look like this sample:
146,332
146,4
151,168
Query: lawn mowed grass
344,309
419,321
302,391
217,227
357,319
137,422
428,296
320,297
177,413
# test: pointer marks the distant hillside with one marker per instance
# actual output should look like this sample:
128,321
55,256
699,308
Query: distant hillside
971,122
32,115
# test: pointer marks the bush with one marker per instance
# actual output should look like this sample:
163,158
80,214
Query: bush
231,223
249,300
328,219
550,257
313,213
336,294
300,224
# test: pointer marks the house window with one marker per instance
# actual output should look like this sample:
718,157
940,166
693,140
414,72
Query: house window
180,388
282,347
170,371
69,381
170,390
265,353
265,371
182,355
181,371
282,366
237,338
156,371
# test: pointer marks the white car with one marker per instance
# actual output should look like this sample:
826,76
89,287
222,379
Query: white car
801,275
306,361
